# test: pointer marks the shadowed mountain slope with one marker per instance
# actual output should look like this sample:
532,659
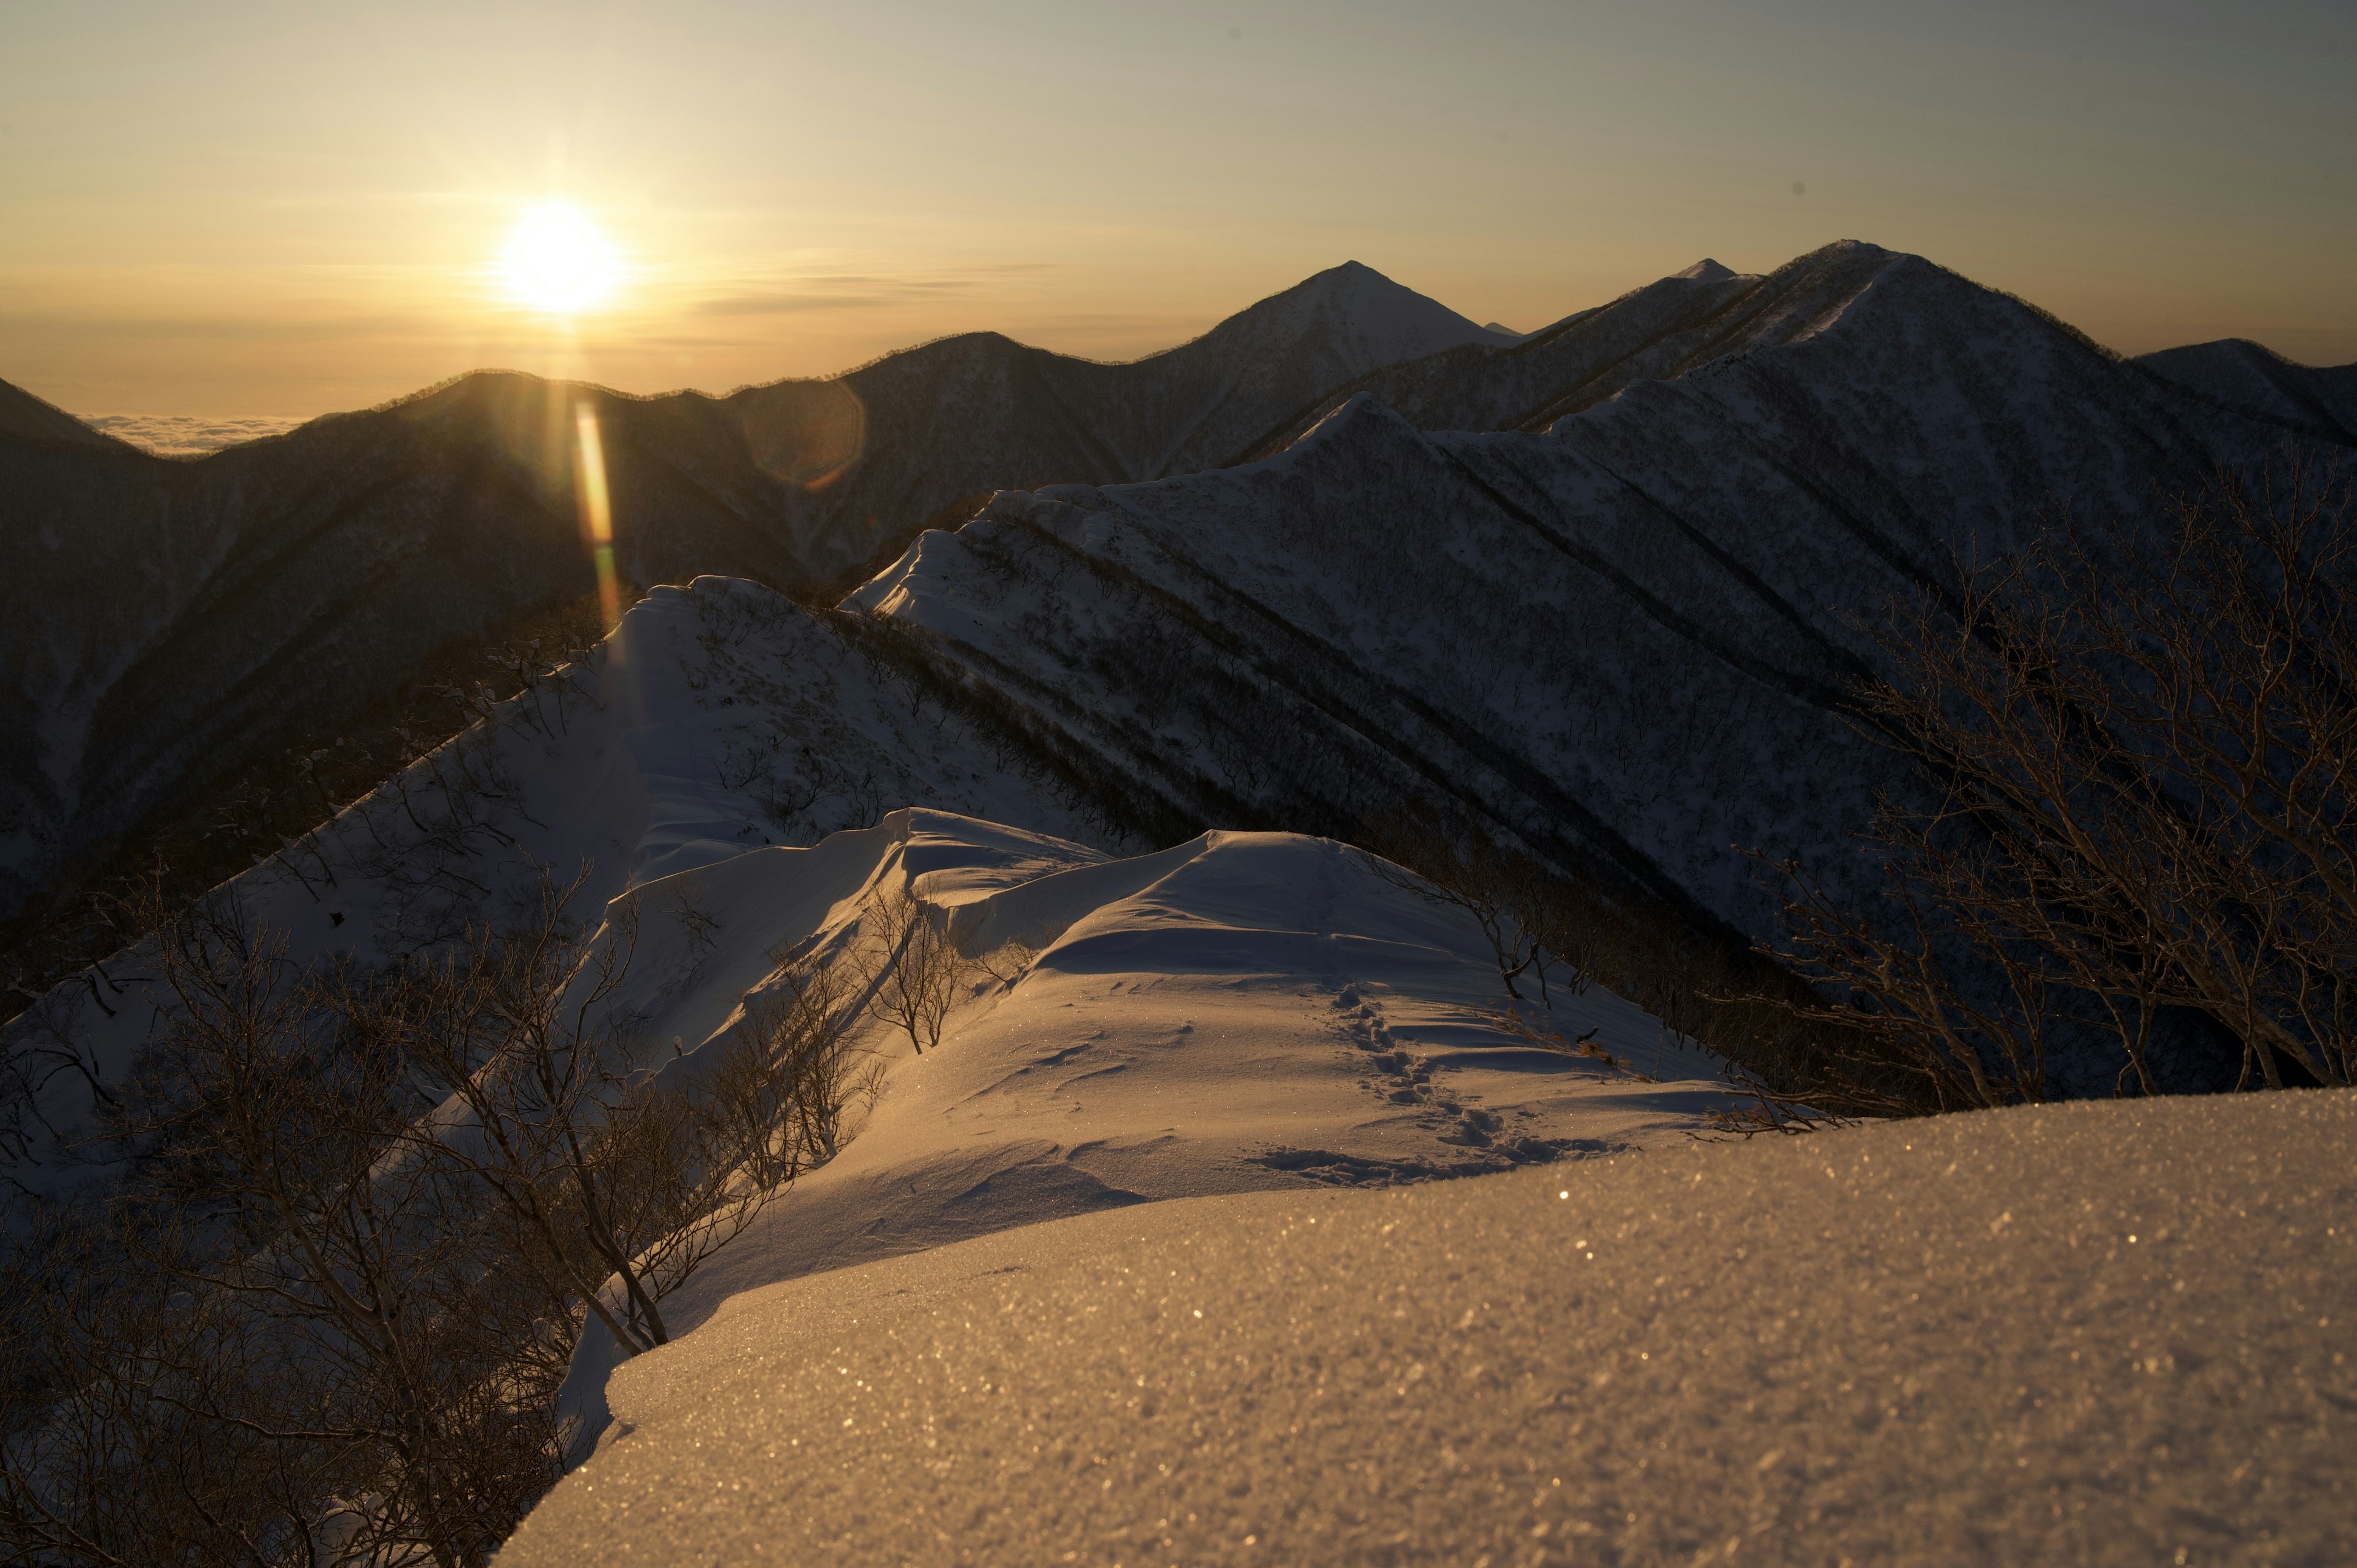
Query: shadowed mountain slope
1625,640
163,622
2255,380
1622,642
1653,333
27,419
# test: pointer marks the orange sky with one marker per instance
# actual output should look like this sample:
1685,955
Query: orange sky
288,207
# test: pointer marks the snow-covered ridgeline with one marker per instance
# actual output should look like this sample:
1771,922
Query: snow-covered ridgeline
1622,642
1236,1013
211,612
1626,641
716,719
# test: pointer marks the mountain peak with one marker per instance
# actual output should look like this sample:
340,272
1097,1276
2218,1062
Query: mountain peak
1366,318
1707,271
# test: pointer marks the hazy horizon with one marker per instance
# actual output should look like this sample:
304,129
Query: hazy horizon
273,209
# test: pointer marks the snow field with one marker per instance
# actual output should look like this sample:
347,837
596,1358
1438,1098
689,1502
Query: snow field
2090,1333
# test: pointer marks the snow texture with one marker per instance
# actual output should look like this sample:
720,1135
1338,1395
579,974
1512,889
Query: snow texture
2099,1332
1243,1011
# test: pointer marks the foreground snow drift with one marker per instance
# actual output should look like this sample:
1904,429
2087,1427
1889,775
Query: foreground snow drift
2093,1333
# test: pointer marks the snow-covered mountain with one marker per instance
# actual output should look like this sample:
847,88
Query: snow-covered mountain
728,767
1624,639
162,623
2255,380
1620,640
1652,333
1108,733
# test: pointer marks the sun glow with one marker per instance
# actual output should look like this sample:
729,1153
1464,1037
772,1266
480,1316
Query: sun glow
557,261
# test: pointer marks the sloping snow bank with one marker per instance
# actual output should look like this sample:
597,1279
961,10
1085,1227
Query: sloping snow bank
1240,1012
2094,1333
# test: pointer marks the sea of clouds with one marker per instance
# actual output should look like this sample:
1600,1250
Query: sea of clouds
188,435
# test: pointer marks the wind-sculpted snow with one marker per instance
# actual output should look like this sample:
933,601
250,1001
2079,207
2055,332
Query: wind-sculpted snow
2099,1334
1242,1011
716,721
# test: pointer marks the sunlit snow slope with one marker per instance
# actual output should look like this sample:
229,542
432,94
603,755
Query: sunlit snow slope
1238,1012
2106,1333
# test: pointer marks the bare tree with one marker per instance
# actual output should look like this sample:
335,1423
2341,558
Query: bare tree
602,1170
333,1318
1512,897
791,1084
322,1314
912,973
2142,748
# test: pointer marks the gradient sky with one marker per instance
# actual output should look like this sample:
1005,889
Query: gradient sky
246,208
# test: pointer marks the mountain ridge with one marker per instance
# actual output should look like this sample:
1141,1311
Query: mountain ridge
280,585
1870,409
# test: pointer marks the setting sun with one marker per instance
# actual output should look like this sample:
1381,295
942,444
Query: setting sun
557,261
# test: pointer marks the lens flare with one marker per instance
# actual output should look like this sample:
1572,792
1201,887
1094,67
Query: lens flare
557,261
596,510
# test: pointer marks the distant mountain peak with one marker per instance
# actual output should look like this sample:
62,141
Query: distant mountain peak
1707,271
1367,319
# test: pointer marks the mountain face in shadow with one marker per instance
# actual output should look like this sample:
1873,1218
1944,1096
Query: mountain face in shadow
1625,639
1592,587
27,421
163,622
2236,373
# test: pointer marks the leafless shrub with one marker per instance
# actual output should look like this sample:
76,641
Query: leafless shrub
1008,963
1512,897
911,972
792,1086
323,1313
2141,747
699,929
274,1314
600,1170
1787,1067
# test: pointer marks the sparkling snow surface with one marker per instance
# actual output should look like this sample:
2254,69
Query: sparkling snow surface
2094,1333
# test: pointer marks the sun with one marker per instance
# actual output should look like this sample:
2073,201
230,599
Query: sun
557,261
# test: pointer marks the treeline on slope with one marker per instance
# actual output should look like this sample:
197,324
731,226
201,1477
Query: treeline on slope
2143,824
2142,835
107,901
358,1219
